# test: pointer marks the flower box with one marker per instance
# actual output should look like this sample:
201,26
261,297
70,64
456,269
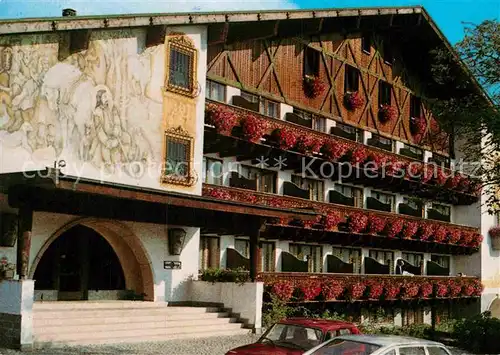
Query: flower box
353,100
313,86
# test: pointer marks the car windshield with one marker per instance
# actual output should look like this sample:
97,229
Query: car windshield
346,347
293,336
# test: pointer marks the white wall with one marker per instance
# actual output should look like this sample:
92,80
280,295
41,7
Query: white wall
118,63
243,299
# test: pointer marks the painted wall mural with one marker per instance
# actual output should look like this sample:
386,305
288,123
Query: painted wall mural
100,108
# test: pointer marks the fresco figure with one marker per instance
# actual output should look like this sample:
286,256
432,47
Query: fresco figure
6,112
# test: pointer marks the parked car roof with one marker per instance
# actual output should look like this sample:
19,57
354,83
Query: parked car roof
323,324
388,340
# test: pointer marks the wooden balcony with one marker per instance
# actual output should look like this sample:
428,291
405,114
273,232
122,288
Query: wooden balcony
236,146
295,230
322,287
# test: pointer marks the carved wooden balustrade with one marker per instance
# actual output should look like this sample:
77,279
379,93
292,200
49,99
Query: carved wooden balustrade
340,215
317,287
426,189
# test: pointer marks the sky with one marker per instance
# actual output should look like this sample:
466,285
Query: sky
449,15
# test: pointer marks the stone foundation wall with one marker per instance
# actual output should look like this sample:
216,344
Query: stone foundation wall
10,330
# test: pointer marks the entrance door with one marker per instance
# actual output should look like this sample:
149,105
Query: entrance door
80,265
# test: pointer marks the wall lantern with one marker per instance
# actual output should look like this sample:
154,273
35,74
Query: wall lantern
495,238
176,237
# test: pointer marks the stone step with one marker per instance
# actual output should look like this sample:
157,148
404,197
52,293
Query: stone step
60,305
167,326
103,312
132,334
129,318
138,339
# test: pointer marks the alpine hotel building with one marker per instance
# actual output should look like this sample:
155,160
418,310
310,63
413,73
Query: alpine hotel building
139,150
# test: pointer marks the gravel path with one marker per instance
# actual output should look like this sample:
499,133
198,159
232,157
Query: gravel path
206,346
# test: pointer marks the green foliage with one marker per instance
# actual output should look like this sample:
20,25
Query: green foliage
478,334
214,275
275,311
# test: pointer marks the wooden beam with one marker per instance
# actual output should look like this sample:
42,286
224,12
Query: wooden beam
155,35
24,240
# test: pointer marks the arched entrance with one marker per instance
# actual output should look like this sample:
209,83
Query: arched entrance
93,259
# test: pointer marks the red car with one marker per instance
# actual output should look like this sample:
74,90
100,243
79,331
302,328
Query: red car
294,336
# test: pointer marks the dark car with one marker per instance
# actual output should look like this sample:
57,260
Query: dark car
294,336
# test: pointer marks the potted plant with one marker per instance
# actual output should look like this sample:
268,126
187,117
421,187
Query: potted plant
313,86
353,100
495,238
6,269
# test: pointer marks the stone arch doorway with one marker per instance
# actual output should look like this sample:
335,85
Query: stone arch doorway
495,308
92,259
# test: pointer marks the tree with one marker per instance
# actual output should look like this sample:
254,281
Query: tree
467,103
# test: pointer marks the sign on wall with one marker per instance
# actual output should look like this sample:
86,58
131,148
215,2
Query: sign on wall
172,265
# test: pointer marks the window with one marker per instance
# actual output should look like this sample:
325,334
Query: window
387,52
319,124
316,187
384,93
266,107
437,350
412,316
209,252
349,255
266,179
412,350
413,203
384,198
212,171
311,62
443,260
267,256
415,107
351,79
413,258
366,43
415,152
181,65
442,209
216,91
351,130
177,157
310,253
242,246
382,256
350,191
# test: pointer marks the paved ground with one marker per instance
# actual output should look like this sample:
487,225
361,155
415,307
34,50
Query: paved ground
208,346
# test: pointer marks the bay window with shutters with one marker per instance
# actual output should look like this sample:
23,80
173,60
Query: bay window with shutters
181,65
311,253
349,255
209,256
316,187
178,158
212,171
266,179
267,255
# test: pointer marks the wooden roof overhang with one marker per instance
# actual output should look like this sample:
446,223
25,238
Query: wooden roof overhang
51,191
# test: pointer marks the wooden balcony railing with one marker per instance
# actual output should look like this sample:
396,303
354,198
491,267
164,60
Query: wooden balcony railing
316,287
339,217
450,190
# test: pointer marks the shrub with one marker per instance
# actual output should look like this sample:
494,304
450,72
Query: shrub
275,311
214,275
478,334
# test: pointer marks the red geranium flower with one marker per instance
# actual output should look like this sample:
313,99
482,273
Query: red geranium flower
283,290
392,290
310,289
253,128
285,138
353,100
375,289
410,290
331,220
410,229
454,236
357,222
425,230
308,144
358,155
334,150
376,224
313,86
220,194
440,234
441,289
426,289
356,290
333,289
394,227
387,113
455,288
222,118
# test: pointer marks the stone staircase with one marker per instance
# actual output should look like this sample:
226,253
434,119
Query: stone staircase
110,322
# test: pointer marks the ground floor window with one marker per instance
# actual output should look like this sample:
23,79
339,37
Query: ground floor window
412,316
267,256
310,253
209,252
242,246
